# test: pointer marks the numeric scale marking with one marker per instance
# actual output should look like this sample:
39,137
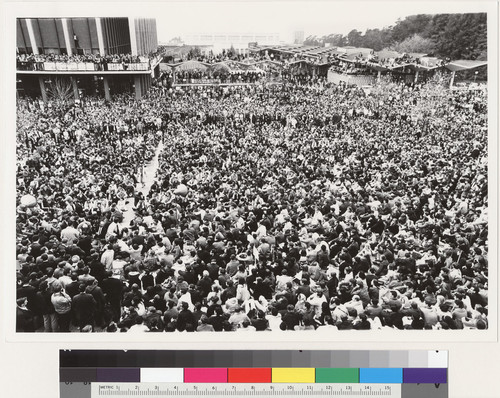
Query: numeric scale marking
241,390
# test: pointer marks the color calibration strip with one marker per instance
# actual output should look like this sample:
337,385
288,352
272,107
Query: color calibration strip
254,366
257,375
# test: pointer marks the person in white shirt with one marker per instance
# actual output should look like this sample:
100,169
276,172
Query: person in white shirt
316,300
108,256
70,233
139,326
114,229
274,320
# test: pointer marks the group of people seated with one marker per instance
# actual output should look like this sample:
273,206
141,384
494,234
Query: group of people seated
291,207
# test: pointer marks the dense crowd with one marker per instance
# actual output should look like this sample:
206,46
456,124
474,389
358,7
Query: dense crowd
36,61
221,76
210,57
275,207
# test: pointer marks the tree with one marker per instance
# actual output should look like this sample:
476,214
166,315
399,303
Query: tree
335,40
354,38
231,52
60,90
194,53
411,25
373,39
415,44
459,36
312,41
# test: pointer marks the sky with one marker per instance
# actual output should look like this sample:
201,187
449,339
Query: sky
285,17
178,18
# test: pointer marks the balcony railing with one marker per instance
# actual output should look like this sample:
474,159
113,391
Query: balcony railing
82,66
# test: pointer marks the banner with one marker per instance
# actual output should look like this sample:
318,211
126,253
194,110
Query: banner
49,66
359,81
137,66
115,66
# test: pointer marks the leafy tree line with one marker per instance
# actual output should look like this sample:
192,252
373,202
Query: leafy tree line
454,36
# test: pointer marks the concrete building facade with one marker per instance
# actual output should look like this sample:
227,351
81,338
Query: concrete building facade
87,36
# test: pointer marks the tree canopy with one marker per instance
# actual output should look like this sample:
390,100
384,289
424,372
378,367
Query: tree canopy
454,36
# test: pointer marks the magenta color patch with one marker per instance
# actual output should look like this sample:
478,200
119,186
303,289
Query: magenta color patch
205,375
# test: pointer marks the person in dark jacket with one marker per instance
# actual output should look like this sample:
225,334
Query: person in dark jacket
24,317
112,289
84,306
96,292
185,318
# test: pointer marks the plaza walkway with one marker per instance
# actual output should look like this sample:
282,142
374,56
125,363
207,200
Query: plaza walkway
149,177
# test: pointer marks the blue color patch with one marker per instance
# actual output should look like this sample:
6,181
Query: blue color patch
381,375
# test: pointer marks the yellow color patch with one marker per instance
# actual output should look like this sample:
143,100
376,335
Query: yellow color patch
294,375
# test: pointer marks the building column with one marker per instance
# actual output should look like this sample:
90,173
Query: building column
107,94
416,76
100,36
138,87
142,84
133,37
74,83
31,34
452,79
379,74
42,89
67,41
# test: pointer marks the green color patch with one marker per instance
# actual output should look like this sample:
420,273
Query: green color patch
337,375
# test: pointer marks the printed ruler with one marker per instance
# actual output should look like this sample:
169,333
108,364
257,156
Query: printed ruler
146,390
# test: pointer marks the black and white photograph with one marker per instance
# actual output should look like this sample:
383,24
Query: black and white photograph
311,168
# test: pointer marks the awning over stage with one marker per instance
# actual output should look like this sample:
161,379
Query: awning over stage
464,64
191,65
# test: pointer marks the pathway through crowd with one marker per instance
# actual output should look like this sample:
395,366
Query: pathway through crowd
149,177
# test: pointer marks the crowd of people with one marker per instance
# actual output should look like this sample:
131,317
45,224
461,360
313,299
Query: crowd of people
220,76
274,208
37,61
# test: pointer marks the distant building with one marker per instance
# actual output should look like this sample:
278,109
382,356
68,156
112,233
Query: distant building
224,41
298,37
86,36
